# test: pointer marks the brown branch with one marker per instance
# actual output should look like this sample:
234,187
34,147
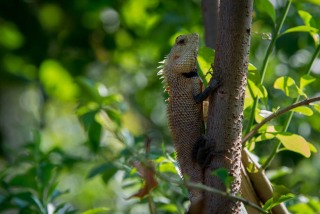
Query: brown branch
276,114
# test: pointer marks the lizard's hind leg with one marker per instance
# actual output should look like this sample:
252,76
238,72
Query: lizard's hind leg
202,153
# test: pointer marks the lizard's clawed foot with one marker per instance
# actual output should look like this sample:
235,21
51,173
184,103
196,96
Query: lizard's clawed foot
213,85
202,153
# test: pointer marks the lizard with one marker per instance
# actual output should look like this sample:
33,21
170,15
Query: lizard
185,111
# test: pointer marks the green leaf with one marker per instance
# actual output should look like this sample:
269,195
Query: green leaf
312,148
305,16
309,21
223,174
25,180
205,61
254,76
295,143
287,85
107,169
281,194
297,208
114,115
301,28
94,134
251,67
264,6
87,119
316,107
96,210
57,81
167,167
315,203
168,208
316,2
265,136
10,36
303,110
306,80
257,90
88,89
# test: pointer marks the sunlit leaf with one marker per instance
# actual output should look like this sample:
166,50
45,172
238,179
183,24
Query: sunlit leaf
316,107
257,90
168,208
315,2
303,110
307,209
301,28
251,67
295,143
265,136
57,81
306,80
309,21
287,85
167,167
252,168
305,16
312,148
205,60
257,116
96,210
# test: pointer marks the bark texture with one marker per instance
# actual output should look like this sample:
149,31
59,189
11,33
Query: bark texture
210,11
226,104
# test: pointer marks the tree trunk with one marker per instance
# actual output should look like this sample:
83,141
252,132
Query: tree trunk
226,104
210,12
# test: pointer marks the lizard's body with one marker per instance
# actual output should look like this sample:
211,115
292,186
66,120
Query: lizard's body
185,113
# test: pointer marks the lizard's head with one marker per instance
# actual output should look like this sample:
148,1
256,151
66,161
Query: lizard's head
183,55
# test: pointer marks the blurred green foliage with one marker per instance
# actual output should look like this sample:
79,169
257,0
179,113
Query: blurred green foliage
80,98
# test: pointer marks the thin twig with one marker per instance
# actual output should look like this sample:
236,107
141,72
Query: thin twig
210,189
278,113
225,194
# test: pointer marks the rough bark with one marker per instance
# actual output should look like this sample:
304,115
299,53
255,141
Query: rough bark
226,104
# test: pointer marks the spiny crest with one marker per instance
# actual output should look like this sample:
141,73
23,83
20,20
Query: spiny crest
161,72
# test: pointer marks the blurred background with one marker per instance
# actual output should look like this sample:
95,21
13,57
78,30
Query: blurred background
79,99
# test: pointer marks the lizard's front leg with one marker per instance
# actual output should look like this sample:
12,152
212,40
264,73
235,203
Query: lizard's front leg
214,84
202,152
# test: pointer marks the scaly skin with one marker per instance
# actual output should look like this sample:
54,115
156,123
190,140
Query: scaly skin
185,113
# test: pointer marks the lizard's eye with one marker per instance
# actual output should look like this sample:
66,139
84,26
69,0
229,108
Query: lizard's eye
181,41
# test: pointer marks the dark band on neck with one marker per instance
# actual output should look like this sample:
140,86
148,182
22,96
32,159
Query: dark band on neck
190,74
